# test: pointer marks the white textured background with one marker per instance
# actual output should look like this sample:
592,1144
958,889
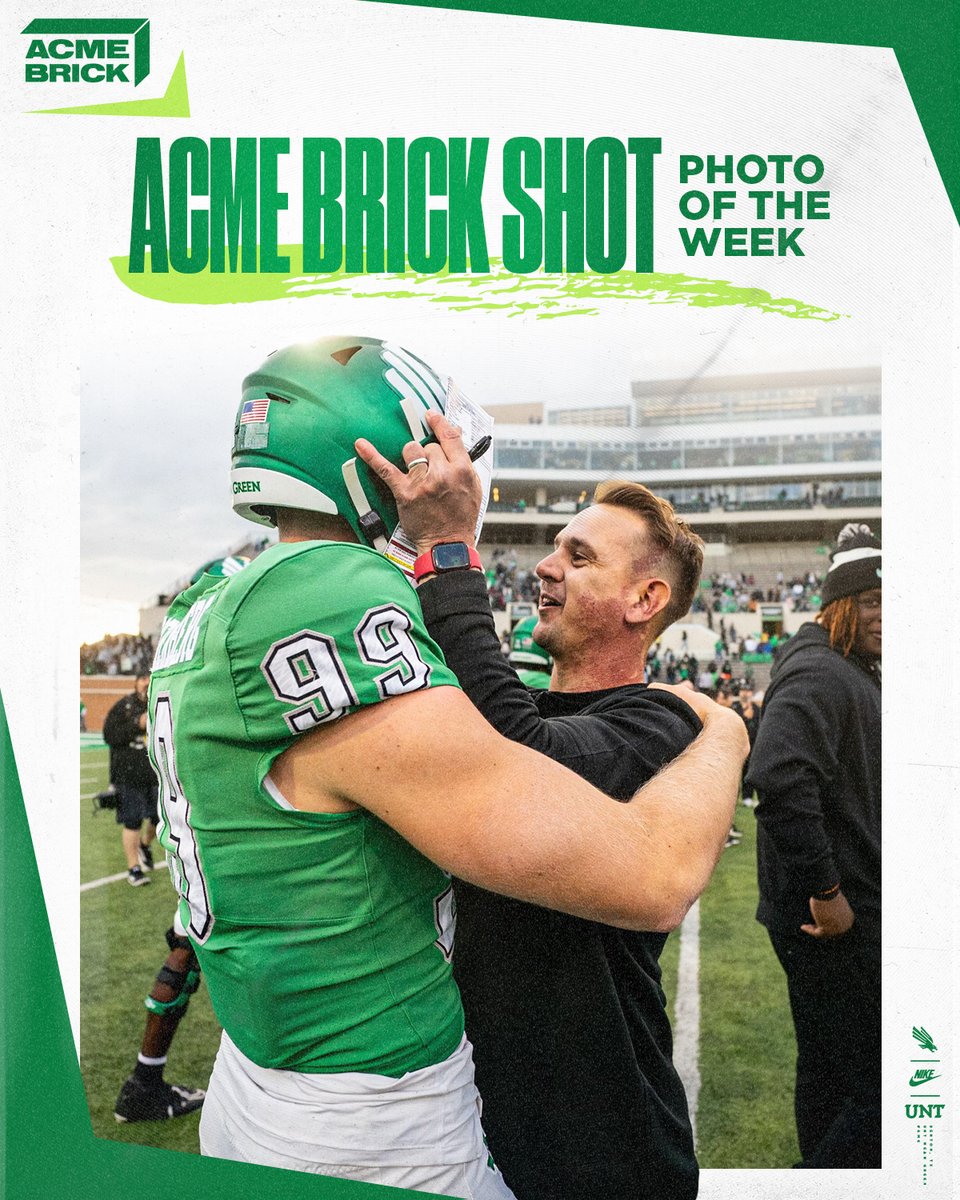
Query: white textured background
153,387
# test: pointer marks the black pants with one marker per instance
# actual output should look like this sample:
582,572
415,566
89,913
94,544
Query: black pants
834,988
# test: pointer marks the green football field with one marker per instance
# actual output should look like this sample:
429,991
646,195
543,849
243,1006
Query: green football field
746,1048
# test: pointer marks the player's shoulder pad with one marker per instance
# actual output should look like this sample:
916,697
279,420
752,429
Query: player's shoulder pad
321,628
332,569
323,586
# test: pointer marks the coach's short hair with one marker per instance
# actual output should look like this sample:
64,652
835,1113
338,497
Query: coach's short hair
674,548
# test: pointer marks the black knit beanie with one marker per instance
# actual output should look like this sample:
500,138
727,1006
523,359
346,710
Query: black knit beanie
854,565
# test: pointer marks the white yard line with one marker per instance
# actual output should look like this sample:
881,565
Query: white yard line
95,883
686,1025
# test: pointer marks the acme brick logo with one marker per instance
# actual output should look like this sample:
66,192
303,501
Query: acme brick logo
98,50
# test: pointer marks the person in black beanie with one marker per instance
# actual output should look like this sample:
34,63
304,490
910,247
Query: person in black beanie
816,770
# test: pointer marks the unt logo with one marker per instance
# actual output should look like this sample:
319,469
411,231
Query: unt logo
88,51
924,1111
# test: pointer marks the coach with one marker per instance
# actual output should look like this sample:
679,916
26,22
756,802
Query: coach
571,1038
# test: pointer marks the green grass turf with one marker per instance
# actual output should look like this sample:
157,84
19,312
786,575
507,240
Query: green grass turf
122,948
669,961
746,1038
747,1047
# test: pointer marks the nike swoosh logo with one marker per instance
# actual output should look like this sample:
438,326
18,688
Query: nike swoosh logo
922,1077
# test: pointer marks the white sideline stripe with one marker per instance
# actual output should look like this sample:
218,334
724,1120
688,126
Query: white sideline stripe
95,883
686,1033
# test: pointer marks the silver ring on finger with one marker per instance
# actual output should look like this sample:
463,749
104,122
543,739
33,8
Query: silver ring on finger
416,462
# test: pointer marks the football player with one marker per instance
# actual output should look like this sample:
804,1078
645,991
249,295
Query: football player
145,1094
531,662
322,773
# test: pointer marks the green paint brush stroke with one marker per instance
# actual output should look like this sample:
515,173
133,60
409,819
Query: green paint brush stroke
544,296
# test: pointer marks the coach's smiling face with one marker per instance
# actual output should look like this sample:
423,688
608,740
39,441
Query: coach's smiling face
596,588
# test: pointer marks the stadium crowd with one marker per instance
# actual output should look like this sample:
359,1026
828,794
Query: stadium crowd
117,654
728,593
507,583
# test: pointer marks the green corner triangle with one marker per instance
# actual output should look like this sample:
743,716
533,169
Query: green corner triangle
173,103
47,1146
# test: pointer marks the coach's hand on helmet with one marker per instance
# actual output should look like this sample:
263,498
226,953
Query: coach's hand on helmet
439,494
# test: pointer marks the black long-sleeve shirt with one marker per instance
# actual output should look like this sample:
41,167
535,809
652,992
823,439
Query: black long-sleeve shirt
571,1039
816,770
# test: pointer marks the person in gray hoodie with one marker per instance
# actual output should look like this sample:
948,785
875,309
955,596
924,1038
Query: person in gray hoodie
816,770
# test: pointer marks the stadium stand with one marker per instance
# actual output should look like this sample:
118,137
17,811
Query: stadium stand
766,468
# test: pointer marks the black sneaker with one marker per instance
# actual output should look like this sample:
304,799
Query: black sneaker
731,841
136,877
145,855
140,1102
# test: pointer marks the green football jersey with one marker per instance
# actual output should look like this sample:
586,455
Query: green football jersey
325,938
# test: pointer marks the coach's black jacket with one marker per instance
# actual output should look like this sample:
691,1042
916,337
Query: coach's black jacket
571,1039
816,770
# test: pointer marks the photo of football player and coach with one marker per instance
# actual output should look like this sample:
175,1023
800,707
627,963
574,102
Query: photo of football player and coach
434,801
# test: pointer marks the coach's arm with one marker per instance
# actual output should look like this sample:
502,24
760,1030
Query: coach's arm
503,817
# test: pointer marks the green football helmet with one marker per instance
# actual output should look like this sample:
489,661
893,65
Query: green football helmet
222,566
524,651
301,412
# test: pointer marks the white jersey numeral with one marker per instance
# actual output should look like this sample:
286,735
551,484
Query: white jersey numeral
445,919
175,824
306,669
383,639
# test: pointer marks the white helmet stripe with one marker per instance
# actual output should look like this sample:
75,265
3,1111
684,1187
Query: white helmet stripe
414,411
250,484
414,372
358,496
412,403
415,384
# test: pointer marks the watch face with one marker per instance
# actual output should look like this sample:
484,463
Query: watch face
451,556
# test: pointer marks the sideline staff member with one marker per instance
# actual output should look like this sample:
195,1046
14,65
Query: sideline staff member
816,771
124,731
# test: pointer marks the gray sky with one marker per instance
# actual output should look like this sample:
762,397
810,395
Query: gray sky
157,428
